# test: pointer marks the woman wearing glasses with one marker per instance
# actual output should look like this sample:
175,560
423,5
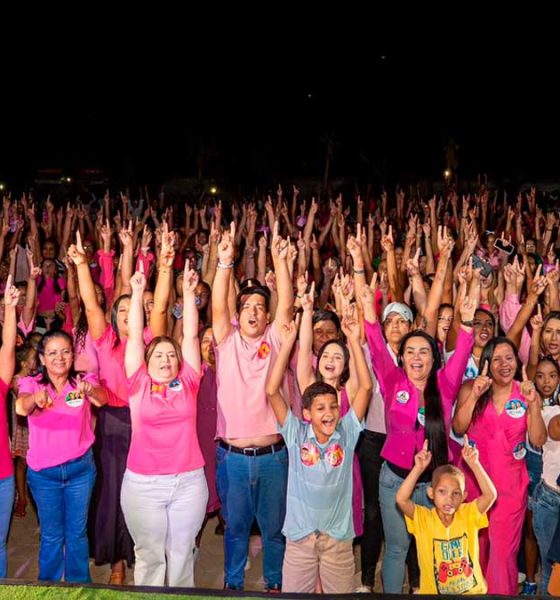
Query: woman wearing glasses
61,470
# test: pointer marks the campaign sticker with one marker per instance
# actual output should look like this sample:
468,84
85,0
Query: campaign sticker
516,408
176,385
422,416
520,451
472,443
264,350
403,397
309,454
74,399
334,455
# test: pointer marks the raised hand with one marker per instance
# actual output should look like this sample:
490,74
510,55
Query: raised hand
288,332
42,399
469,454
468,308
308,299
190,281
537,320
226,248
350,325
527,389
138,281
76,252
423,458
482,383
11,295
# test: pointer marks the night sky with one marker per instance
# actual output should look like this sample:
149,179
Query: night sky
141,100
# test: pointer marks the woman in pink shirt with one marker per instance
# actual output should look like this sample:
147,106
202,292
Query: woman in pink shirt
419,396
61,471
497,412
112,541
49,289
7,366
164,492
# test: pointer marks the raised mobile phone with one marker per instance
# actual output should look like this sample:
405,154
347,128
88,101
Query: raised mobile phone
504,246
478,263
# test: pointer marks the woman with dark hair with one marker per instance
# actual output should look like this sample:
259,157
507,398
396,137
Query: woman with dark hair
419,396
497,412
61,470
164,492
333,367
112,541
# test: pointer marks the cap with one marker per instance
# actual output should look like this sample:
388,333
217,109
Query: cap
401,309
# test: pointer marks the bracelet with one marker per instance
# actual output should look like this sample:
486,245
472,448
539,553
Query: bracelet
299,295
467,323
222,265
359,271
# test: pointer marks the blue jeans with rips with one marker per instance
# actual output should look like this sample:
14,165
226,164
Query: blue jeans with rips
62,494
252,487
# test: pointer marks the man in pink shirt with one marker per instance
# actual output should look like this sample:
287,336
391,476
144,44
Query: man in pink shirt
252,461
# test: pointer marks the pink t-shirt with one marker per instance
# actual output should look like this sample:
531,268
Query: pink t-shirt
111,365
164,439
61,432
48,296
85,357
242,368
6,463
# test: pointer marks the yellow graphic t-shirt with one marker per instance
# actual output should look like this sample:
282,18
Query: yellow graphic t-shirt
449,556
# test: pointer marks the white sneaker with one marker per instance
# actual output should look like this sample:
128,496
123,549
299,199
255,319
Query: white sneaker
521,577
363,589
248,564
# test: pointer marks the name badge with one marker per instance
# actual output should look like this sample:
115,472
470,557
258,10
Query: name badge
74,399
403,397
520,451
176,385
516,408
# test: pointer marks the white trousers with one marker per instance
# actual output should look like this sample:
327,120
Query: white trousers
164,514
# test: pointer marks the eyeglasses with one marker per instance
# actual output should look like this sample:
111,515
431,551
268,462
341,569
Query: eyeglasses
65,353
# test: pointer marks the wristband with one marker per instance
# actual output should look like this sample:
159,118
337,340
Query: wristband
359,271
222,265
467,323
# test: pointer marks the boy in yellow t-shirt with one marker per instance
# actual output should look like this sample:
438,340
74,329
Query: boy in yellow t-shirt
447,535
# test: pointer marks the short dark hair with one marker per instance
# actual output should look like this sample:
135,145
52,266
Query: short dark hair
452,470
326,315
319,388
249,291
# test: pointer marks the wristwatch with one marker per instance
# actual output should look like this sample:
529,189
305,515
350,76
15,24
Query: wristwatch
467,323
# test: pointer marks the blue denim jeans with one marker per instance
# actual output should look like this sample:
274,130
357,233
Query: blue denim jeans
7,490
62,494
397,538
546,513
249,487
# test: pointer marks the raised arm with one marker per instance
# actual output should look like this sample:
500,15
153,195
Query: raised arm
305,374
360,400
469,394
221,318
279,250
134,355
190,346
94,312
488,492
8,350
288,334
404,494
158,318
536,428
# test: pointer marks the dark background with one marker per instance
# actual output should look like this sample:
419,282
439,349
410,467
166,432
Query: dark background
256,96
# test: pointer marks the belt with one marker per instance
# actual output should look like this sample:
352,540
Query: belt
253,451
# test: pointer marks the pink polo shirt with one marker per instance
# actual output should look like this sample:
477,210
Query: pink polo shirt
242,368
403,417
61,432
164,439
48,297
110,359
6,463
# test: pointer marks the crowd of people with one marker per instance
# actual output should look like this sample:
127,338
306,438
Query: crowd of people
332,372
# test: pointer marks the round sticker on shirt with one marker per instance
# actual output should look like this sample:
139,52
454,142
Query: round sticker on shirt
422,416
472,443
74,399
471,373
176,385
334,455
309,454
520,451
264,350
402,397
516,408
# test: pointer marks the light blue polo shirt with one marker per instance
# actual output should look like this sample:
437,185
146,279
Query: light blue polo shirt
320,479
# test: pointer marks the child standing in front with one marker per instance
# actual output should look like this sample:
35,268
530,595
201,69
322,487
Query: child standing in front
318,525
447,535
